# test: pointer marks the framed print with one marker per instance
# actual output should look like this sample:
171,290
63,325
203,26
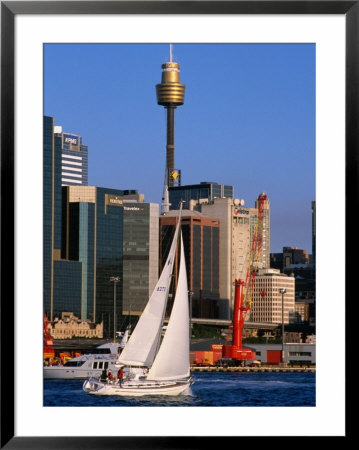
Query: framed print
30,31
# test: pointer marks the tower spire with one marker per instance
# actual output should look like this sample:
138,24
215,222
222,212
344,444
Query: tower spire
170,94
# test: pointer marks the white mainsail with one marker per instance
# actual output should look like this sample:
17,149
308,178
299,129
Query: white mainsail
141,348
172,359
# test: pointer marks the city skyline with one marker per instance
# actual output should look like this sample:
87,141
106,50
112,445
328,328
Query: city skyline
248,120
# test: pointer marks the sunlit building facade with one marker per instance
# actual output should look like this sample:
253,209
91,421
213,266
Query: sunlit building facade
74,158
267,298
113,233
201,246
198,192
90,235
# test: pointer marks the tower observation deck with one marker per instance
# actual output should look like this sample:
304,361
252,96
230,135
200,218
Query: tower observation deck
170,94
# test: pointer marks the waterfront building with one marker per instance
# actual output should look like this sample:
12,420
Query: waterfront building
294,255
205,191
91,234
294,353
113,233
265,251
267,299
236,235
201,245
70,326
140,256
290,257
61,278
74,158
302,310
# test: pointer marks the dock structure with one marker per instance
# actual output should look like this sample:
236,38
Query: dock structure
252,369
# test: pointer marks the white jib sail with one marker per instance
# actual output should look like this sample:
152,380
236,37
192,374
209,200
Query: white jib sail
172,360
141,348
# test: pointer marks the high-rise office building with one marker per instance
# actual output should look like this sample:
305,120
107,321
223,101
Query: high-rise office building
92,234
204,192
265,251
267,299
201,245
61,278
236,236
74,159
113,233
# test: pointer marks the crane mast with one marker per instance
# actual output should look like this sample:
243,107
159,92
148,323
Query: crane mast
244,292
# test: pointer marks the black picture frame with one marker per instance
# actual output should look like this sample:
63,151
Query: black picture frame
9,9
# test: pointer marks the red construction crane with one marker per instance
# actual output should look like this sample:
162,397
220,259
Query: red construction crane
49,351
244,292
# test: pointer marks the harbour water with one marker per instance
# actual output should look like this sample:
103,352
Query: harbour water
209,389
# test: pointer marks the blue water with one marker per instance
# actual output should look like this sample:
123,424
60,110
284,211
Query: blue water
209,389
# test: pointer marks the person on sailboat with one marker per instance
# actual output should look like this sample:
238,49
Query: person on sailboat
120,376
103,375
110,376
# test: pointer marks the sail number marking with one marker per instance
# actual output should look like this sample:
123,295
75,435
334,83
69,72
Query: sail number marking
161,288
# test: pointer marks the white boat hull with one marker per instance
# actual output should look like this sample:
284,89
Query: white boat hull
86,366
135,388
62,373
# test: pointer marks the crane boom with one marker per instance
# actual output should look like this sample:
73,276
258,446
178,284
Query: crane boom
244,291
255,254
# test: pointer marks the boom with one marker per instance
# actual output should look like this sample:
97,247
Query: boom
244,291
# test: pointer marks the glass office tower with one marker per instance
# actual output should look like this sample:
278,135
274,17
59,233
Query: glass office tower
92,234
74,159
205,190
113,234
201,246
61,283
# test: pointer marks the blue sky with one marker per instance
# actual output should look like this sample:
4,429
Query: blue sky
248,120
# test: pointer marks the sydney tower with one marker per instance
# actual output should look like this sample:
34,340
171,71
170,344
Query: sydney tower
170,94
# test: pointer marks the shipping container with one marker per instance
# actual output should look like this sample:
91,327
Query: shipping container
207,358
216,347
199,357
274,356
216,356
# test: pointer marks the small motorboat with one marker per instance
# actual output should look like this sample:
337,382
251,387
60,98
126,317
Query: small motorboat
103,357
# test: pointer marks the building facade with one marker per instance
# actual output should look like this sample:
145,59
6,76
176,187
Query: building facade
267,299
237,229
61,278
69,327
90,235
265,251
198,192
113,233
294,255
201,246
74,159
294,353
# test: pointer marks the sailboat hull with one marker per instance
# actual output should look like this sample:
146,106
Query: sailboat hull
136,388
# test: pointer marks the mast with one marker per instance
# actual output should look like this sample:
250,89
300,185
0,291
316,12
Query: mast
176,337
177,246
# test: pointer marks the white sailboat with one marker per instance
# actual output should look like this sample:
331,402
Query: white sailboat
152,366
